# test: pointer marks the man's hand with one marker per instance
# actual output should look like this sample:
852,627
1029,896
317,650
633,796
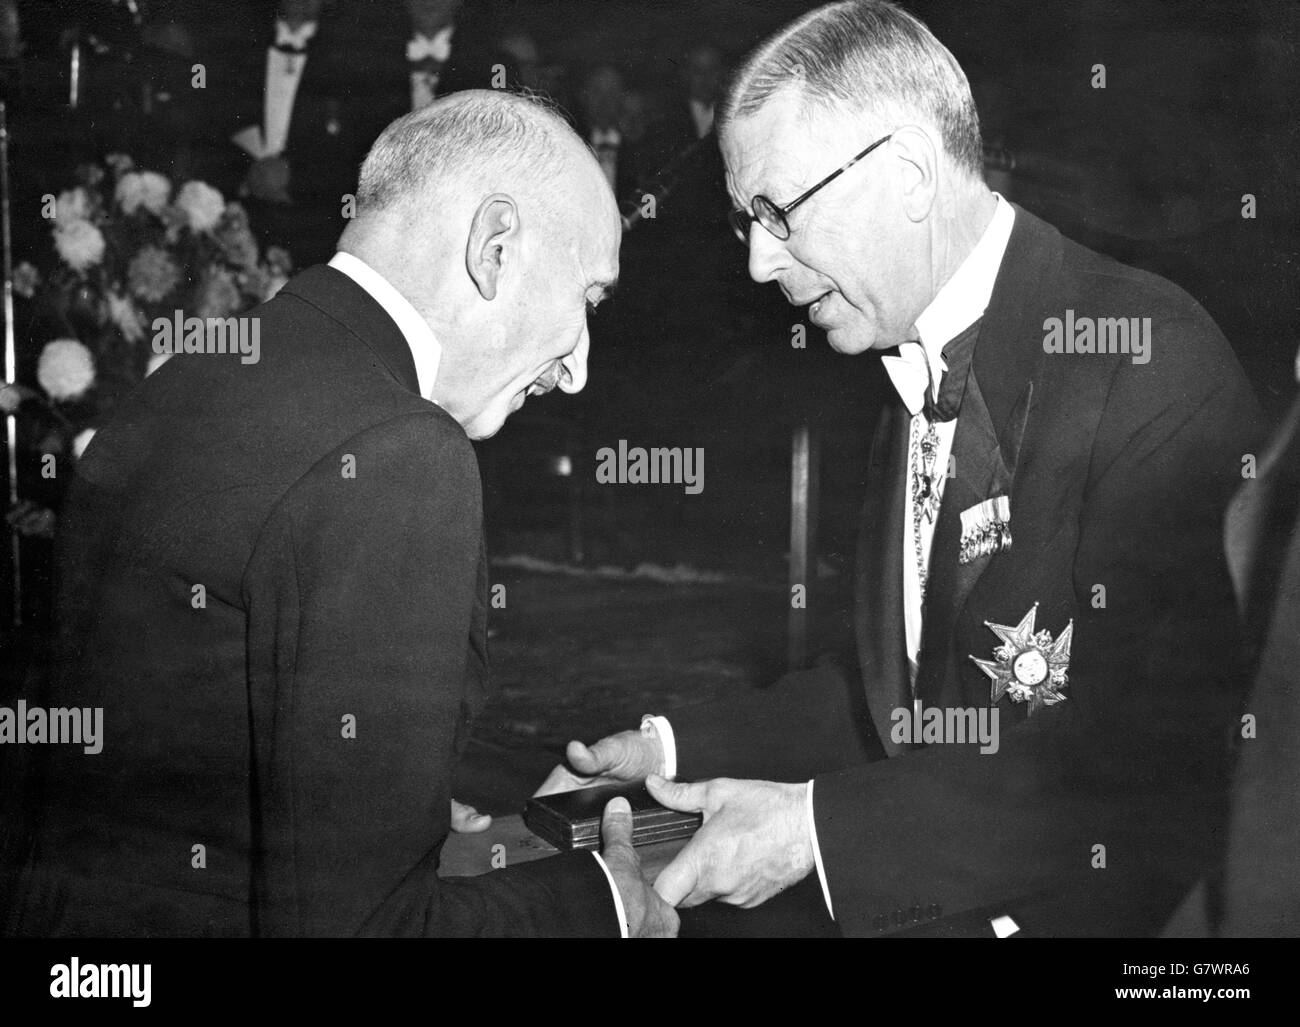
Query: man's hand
648,916
626,756
754,842
468,820
267,180
32,520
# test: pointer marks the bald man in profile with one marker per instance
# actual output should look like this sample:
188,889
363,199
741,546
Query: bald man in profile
273,578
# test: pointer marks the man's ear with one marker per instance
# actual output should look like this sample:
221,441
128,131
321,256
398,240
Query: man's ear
920,170
495,225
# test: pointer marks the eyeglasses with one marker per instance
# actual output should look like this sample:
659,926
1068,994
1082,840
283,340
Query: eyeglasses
775,219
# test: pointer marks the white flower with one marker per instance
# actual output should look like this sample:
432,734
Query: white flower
236,241
201,204
121,163
279,260
65,369
11,398
126,316
26,279
218,296
82,440
72,205
274,284
152,274
146,189
79,243
156,361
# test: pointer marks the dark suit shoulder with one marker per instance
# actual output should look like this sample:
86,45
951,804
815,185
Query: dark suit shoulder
387,472
1104,282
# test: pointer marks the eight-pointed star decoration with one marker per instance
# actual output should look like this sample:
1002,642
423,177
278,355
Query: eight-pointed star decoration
1028,665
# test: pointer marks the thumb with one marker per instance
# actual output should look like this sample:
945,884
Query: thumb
676,882
616,824
685,798
583,759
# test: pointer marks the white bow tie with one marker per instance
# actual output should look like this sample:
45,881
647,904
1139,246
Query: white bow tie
438,47
910,373
295,38
605,137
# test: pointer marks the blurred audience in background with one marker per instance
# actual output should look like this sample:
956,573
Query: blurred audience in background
276,101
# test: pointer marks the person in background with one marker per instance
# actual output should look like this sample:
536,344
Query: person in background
428,46
302,116
601,100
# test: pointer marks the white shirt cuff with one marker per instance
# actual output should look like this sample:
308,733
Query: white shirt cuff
817,853
618,899
668,741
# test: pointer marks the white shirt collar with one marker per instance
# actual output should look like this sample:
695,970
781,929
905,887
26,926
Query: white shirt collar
298,38
702,113
957,305
424,347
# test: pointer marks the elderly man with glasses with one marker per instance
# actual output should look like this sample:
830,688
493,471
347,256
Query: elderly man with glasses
1049,671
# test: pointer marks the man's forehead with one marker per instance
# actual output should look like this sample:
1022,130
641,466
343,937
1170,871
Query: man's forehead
597,252
775,149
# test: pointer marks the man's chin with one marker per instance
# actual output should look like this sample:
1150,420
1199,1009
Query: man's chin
850,342
493,420
853,339
485,427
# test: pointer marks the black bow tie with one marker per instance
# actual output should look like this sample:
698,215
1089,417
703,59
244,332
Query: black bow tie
957,355
286,48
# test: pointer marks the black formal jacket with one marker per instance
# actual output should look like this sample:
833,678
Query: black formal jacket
1117,475
1256,893
298,716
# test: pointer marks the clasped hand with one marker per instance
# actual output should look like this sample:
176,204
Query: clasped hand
755,840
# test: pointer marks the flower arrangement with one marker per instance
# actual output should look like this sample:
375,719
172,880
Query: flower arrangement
128,247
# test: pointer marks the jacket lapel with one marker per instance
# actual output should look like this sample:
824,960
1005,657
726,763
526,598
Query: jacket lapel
879,621
990,431
983,467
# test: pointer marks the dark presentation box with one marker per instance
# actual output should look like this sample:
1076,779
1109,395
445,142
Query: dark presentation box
571,820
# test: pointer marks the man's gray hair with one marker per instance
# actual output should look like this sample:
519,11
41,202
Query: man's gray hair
476,134
870,56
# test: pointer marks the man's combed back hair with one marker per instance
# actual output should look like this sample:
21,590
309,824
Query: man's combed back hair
485,135
870,56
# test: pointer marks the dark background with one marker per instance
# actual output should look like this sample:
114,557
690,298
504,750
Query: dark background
1199,108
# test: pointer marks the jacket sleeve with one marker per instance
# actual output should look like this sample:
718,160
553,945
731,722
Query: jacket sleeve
805,723
1114,800
361,594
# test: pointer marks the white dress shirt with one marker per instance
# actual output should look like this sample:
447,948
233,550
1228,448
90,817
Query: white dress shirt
605,143
283,73
959,303
424,83
427,353
425,350
702,115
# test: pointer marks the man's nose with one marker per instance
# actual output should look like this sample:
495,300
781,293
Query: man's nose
576,364
767,254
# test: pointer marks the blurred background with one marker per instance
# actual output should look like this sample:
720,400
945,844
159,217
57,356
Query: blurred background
620,598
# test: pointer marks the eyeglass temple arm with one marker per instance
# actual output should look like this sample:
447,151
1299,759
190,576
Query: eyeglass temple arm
833,175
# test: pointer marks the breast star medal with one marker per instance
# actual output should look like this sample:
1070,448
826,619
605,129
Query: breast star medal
1028,665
